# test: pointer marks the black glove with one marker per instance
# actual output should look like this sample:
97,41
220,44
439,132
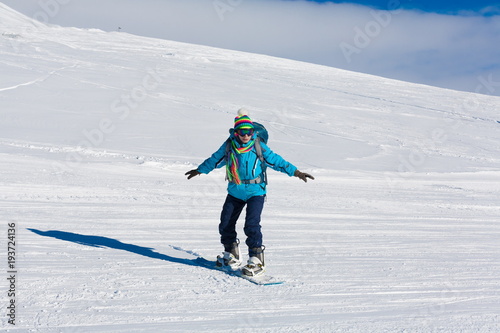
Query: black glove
192,173
302,175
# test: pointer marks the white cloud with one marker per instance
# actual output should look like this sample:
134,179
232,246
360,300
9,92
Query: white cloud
443,50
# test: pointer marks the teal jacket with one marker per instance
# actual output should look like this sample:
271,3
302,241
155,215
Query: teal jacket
250,167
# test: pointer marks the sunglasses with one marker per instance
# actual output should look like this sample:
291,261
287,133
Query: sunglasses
243,132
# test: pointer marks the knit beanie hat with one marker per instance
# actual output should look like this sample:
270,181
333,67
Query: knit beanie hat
242,120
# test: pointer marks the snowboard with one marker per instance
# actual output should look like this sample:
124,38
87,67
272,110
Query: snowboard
261,280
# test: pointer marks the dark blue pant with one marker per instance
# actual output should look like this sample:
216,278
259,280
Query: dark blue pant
231,212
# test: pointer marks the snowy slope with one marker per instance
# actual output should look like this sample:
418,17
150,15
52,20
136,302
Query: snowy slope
398,233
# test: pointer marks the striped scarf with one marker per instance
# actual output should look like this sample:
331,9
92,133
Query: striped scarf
233,164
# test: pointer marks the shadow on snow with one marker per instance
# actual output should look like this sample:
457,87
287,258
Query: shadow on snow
105,242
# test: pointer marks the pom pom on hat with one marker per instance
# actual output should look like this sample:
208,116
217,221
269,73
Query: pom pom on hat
242,112
242,120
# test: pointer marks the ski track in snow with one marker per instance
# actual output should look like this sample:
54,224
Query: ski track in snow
398,233
38,80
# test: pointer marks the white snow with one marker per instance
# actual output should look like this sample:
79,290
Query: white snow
398,233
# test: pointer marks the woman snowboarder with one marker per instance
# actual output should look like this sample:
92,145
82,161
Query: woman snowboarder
246,157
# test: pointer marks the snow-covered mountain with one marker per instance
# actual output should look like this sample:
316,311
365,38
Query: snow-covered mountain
398,232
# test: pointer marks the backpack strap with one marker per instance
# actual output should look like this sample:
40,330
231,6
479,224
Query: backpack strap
226,154
228,148
263,165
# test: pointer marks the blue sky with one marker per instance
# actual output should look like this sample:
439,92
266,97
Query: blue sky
436,6
451,44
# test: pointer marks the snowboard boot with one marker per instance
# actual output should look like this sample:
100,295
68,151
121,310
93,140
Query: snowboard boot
256,264
230,257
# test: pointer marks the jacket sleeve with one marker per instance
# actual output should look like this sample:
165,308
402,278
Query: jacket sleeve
277,162
215,161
